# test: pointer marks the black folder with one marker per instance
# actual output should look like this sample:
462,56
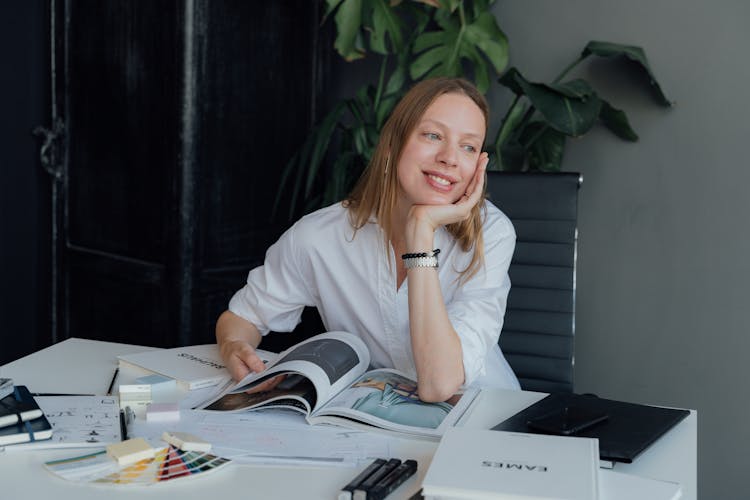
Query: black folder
627,431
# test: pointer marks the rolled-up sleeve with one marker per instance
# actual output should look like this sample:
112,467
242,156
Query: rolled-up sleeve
276,292
478,307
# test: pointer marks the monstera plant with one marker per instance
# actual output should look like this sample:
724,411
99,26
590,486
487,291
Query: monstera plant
416,39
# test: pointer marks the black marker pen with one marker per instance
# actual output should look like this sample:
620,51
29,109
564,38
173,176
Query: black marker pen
393,480
123,426
363,490
346,491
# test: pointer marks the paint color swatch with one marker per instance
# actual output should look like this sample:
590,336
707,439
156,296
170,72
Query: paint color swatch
169,463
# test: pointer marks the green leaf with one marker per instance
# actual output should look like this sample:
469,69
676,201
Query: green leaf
508,80
348,21
393,91
346,169
480,6
631,52
359,134
512,156
331,5
575,89
544,147
396,82
384,110
617,121
440,53
571,108
482,78
427,40
426,61
385,21
321,138
511,120
486,34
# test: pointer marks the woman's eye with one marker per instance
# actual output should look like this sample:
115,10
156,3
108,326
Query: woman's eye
469,148
432,136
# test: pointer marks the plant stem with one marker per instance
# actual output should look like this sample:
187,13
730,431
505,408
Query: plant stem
505,122
461,31
536,136
526,117
568,68
381,78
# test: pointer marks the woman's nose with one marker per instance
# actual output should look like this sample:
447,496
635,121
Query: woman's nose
448,155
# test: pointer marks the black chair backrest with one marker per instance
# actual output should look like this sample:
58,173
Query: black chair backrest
538,334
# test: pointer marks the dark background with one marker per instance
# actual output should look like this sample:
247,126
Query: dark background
24,193
177,118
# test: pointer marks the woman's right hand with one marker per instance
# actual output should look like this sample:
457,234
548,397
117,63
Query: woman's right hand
240,358
237,339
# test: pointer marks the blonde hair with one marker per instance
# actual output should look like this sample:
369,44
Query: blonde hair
376,191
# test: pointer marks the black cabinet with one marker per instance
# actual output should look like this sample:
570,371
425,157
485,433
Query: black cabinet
175,120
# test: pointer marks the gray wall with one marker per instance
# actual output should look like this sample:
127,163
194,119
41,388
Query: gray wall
664,242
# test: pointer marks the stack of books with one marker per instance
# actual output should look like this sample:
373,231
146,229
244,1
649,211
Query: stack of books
21,419
479,464
483,464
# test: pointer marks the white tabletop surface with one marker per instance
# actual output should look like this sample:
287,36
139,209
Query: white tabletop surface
86,366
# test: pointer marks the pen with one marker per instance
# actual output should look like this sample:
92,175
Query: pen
123,427
363,490
112,384
393,480
346,491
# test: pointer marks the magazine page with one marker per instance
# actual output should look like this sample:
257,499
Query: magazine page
293,392
387,399
309,372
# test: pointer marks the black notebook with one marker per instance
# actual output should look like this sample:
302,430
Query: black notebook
627,430
18,406
29,423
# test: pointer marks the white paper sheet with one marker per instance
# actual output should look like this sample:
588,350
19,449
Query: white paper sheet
78,422
274,437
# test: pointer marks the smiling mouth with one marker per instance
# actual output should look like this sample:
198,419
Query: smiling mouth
440,180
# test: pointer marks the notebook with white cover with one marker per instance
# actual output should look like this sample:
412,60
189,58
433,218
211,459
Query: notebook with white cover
482,464
193,366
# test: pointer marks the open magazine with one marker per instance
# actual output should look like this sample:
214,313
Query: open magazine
325,377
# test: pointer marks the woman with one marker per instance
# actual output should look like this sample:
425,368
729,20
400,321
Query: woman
370,263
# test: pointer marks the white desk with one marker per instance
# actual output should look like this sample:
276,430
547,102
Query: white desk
86,366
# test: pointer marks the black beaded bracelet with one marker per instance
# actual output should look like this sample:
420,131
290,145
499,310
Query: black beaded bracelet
421,254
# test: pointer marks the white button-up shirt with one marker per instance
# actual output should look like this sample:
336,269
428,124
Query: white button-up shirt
350,277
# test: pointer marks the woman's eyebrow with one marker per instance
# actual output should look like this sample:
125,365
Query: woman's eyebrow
444,126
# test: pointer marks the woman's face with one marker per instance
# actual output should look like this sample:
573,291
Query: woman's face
440,157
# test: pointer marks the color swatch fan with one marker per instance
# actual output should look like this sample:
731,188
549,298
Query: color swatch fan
168,464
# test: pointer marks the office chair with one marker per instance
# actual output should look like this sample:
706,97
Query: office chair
537,337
